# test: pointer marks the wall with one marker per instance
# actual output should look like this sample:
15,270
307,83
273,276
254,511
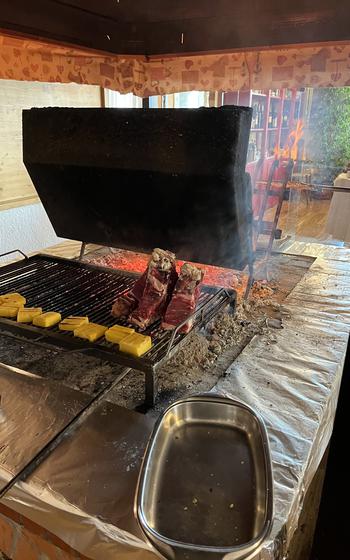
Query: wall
27,228
16,187
21,539
23,221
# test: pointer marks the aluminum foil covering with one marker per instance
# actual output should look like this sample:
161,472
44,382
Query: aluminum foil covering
294,383
84,491
32,412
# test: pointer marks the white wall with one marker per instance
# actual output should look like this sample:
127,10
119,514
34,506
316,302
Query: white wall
27,228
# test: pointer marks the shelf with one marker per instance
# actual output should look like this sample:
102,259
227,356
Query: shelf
256,130
265,95
268,129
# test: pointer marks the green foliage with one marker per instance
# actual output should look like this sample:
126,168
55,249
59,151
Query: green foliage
330,126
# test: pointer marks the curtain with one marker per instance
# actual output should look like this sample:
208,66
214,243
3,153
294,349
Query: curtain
317,66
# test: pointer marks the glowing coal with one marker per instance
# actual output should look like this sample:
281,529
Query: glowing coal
137,262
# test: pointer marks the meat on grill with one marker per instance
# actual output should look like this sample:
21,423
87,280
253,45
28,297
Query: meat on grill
126,303
184,299
161,278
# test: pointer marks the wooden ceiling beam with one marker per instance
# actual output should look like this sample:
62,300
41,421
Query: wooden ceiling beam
163,30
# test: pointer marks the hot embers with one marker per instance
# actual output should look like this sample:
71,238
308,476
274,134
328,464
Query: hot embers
121,259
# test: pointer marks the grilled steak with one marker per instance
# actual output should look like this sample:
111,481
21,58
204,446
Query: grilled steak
160,282
184,299
126,303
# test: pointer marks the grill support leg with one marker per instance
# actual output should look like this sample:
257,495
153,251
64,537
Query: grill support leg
82,250
250,280
150,388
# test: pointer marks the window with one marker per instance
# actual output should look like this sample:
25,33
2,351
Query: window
183,100
127,100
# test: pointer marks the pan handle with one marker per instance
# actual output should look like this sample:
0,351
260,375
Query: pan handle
14,251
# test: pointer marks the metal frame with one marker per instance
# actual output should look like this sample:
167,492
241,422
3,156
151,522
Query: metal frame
270,228
82,251
218,299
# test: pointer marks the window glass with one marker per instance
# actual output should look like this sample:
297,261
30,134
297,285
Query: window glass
127,100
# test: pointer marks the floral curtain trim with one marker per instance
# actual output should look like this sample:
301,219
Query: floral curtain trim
323,66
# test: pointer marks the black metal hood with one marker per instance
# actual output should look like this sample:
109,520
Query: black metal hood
144,178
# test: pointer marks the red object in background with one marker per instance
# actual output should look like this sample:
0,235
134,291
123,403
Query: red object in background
260,183
260,177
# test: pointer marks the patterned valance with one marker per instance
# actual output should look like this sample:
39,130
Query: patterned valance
321,66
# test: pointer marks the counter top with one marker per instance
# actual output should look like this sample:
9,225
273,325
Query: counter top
84,491
92,473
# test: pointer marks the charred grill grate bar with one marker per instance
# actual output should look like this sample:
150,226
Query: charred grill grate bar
75,288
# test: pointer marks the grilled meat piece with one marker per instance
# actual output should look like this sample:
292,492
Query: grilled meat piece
160,282
127,302
184,299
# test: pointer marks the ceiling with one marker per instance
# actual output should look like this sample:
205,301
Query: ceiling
160,27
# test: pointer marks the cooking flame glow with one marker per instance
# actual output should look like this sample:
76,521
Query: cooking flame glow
290,149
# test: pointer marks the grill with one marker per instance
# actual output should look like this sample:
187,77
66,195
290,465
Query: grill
186,191
74,288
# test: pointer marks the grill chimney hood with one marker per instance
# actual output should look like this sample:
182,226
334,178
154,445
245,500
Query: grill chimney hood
143,178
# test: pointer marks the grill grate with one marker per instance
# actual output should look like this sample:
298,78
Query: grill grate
74,288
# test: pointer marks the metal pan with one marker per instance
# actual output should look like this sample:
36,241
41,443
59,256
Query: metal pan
205,487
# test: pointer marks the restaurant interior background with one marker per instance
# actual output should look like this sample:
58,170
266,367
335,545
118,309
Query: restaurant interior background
301,114
310,125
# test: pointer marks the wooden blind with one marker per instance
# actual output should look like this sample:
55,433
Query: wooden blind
16,188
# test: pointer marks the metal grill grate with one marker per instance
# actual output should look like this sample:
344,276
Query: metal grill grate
74,288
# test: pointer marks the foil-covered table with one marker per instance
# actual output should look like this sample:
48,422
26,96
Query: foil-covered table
84,491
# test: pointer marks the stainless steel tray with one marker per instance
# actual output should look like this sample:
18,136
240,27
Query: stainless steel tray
205,486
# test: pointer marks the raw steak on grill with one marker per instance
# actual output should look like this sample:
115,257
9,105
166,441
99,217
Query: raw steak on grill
126,303
160,282
184,299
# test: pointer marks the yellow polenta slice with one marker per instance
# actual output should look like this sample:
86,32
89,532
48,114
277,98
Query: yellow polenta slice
48,319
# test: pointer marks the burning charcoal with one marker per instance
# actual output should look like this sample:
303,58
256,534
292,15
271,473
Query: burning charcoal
185,297
126,303
160,281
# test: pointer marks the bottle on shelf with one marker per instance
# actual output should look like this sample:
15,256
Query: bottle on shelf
253,125
274,120
251,156
259,116
270,119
